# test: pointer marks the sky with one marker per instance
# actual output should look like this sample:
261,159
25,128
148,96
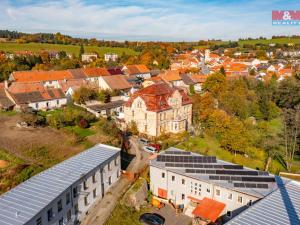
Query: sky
157,20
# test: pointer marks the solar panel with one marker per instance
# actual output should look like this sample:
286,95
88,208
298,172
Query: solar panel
237,172
262,186
259,179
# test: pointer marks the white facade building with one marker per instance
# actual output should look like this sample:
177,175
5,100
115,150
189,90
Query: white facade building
64,193
186,178
110,57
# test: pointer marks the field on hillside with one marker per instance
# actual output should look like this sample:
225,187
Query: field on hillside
73,49
269,41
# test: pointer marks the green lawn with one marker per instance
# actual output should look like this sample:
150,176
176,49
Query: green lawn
73,49
269,41
81,132
8,113
209,146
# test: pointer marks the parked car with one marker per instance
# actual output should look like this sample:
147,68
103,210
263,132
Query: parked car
150,149
156,146
152,219
143,141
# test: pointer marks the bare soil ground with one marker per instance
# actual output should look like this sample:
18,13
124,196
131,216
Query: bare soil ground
18,140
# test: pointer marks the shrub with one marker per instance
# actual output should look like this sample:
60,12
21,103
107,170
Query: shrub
83,123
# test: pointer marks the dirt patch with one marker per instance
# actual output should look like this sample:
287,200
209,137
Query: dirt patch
3,164
18,140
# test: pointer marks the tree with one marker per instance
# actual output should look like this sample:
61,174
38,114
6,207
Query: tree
84,94
215,84
222,70
81,51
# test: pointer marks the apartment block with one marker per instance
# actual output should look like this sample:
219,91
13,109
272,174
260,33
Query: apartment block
198,184
64,193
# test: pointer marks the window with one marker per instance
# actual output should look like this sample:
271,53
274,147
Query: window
37,105
240,199
69,215
39,221
145,116
76,209
208,190
95,193
68,198
75,192
47,104
118,174
57,102
109,180
183,181
249,203
182,196
109,167
59,205
61,221
116,161
163,175
173,178
229,196
218,192
229,214
86,201
94,178
85,185
50,214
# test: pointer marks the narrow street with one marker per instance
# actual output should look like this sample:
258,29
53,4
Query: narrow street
101,211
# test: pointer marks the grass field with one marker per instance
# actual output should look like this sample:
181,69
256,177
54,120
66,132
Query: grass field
269,41
73,49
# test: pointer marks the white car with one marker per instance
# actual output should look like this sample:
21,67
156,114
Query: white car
150,149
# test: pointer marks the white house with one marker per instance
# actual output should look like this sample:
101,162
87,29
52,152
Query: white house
89,57
110,57
64,193
190,181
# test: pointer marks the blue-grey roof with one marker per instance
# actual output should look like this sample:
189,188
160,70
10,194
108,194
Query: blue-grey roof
23,202
282,207
211,172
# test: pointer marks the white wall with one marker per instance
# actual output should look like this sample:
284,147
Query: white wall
52,104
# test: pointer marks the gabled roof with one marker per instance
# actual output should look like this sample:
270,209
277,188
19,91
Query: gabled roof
115,70
74,83
279,208
190,79
156,97
136,69
170,75
37,76
95,72
30,197
209,209
117,82
24,93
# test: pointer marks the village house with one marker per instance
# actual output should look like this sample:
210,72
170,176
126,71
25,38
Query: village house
64,193
88,57
206,188
172,77
115,83
36,96
194,80
159,109
70,86
140,71
110,57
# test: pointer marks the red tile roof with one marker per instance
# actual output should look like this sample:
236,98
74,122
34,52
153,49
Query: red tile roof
156,97
209,209
117,82
170,75
37,76
66,84
136,69
95,72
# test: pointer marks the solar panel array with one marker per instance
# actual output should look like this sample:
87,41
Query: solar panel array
216,171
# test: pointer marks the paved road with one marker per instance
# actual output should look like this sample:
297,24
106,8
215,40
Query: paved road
171,218
100,212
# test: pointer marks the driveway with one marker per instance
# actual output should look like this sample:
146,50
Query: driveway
171,218
100,212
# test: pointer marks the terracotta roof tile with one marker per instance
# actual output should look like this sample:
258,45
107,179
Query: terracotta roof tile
117,82
37,76
136,69
209,209
170,75
156,96
95,72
